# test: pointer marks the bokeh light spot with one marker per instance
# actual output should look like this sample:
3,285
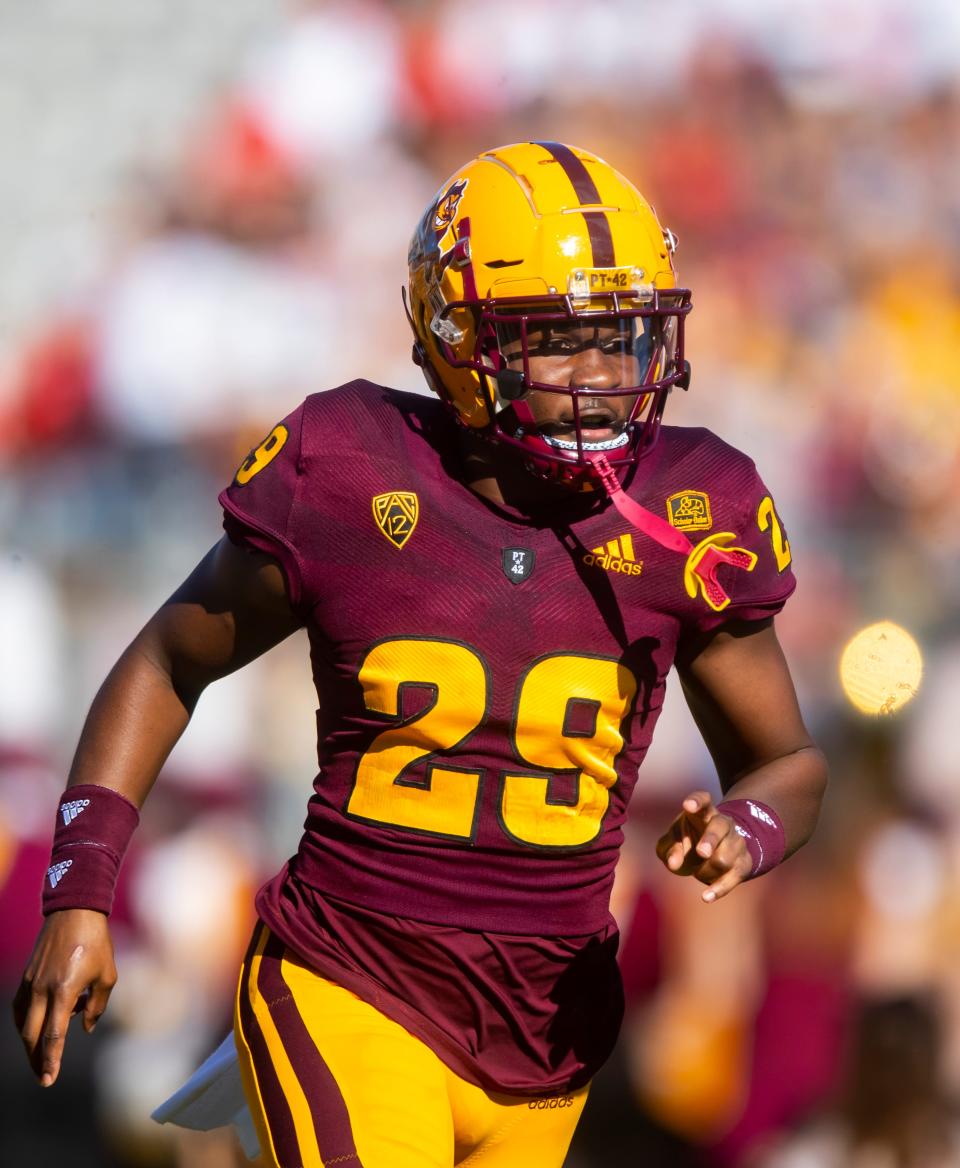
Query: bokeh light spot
880,668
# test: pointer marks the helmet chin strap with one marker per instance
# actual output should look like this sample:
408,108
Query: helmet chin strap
702,559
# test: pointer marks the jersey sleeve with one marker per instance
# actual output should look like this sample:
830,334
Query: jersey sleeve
759,583
259,505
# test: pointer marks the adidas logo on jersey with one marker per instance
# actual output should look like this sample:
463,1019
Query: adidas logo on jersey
56,872
616,556
71,810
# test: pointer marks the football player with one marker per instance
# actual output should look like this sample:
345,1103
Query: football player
496,585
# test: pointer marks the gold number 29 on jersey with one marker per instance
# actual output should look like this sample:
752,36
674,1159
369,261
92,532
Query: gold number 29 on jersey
768,519
543,735
261,456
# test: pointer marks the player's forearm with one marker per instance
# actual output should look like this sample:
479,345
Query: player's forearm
793,785
133,724
148,697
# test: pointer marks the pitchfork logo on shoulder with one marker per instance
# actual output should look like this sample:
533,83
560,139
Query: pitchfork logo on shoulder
396,513
447,205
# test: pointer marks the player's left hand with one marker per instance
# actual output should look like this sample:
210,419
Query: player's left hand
702,842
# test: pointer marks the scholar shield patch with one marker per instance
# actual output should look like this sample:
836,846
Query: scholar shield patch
689,511
396,514
517,564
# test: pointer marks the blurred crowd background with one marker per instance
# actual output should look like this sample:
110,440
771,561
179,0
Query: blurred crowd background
204,215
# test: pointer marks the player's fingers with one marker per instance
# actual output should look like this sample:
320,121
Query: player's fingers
695,810
724,885
32,1010
674,846
729,853
677,847
714,834
665,843
53,1037
674,834
729,866
700,804
96,1002
678,853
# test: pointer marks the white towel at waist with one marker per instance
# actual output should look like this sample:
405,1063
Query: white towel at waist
213,1097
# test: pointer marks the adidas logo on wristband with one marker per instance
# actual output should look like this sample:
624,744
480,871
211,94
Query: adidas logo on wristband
759,813
97,846
56,872
71,810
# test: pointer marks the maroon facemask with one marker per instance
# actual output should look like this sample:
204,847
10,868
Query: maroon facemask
642,342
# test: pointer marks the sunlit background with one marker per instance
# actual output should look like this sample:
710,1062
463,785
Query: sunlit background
204,214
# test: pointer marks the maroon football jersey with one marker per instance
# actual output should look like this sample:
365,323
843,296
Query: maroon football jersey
488,685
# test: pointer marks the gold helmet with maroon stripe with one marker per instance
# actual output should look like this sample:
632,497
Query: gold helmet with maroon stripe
526,237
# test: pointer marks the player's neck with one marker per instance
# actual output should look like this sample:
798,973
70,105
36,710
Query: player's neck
501,478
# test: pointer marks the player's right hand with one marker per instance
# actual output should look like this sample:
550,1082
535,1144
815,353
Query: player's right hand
70,970
701,842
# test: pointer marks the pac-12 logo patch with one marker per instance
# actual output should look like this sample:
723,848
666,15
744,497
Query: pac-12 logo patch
396,514
689,511
517,564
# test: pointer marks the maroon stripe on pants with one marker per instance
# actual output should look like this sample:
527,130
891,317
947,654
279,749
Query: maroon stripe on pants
598,226
279,1117
331,1120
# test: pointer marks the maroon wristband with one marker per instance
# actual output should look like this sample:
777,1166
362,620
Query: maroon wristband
761,830
94,826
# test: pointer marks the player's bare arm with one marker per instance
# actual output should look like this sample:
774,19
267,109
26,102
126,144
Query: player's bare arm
738,687
231,609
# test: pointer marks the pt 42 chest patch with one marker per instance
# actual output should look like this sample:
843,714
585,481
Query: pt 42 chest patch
517,563
396,513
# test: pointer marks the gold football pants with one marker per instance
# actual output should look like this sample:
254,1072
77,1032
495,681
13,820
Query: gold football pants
330,1080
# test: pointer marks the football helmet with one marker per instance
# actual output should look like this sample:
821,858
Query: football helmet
526,241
